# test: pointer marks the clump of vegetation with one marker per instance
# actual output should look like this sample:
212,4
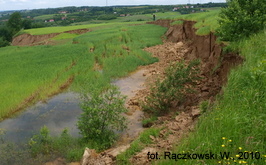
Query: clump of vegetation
42,144
102,116
149,121
107,17
241,19
138,144
178,22
178,82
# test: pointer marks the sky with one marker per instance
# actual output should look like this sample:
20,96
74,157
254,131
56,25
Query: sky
39,4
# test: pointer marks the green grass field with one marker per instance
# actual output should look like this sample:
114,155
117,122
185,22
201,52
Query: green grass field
44,17
59,29
39,71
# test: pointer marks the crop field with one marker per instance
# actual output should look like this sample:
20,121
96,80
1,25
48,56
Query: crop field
34,73
59,29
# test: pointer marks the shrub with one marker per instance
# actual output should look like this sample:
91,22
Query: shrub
107,17
241,19
102,116
3,42
178,81
41,143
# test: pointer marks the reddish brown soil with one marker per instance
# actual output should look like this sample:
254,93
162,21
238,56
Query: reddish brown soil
31,40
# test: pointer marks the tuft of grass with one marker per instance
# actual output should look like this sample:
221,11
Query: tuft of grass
149,121
178,22
137,145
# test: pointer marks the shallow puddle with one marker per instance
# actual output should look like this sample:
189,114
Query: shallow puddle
129,86
62,111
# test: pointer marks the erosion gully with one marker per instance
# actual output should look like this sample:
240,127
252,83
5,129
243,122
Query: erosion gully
62,111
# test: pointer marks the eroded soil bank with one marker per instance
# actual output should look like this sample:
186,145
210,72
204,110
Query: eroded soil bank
31,40
182,43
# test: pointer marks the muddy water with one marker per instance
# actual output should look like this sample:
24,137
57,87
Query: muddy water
129,86
58,113
62,112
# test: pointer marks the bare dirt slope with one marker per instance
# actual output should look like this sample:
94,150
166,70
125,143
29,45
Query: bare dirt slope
30,40
215,67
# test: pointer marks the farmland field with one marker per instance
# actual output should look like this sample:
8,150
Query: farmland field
33,73
48,30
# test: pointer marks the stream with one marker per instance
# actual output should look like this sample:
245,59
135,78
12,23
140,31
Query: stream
62,111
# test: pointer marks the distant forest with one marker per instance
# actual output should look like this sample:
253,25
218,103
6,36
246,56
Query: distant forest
68,15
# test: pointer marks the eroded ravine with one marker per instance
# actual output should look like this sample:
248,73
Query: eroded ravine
182,44
175,49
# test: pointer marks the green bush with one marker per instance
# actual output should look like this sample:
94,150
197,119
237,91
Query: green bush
107,17
102,115
241,19
178,81
41,143
3,42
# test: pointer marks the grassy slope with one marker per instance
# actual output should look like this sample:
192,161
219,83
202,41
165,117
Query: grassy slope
59,29
43,69
206,21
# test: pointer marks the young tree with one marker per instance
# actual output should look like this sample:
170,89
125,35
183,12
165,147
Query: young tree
15,23
26,24
5,33
241,18
102,116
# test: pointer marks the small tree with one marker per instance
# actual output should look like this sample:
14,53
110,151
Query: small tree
241,18
5,33
15,22
102,116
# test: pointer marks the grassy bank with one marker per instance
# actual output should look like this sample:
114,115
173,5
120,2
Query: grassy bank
33,73
238,120
206,21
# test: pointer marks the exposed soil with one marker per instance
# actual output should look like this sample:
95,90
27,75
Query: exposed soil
215,67
182,43
31,40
